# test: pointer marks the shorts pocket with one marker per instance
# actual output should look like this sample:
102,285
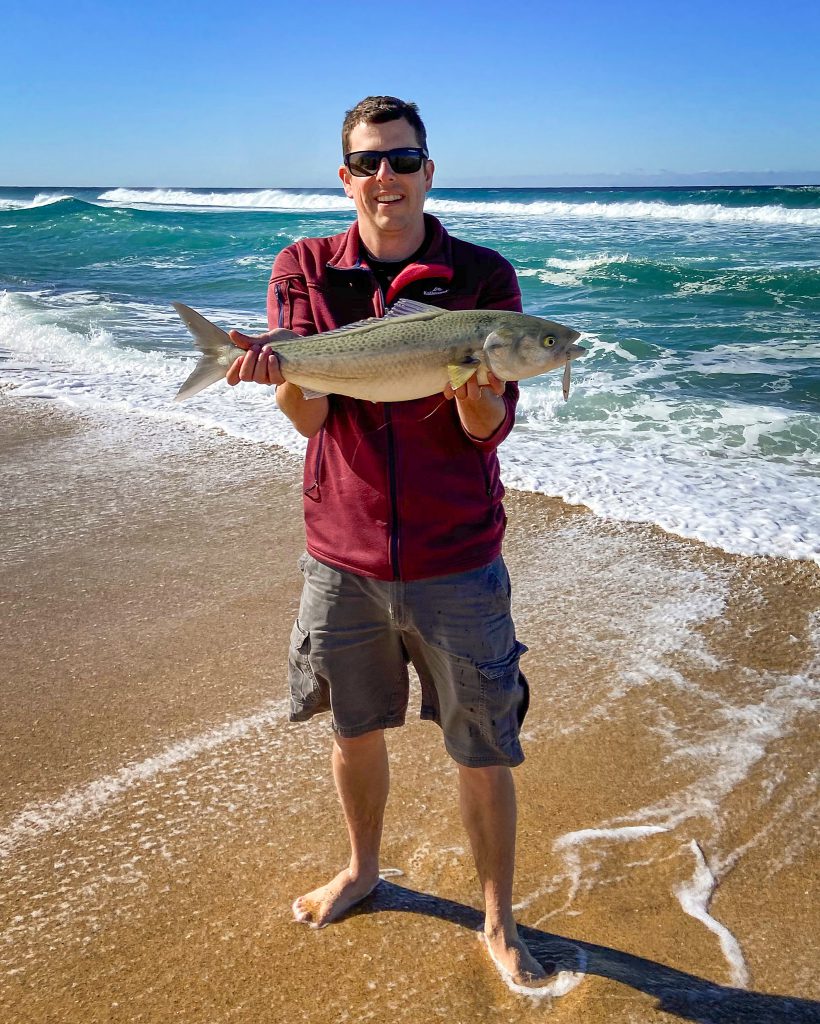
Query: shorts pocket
505,700
500,580
308,694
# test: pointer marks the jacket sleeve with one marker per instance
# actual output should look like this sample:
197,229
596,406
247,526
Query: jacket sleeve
500,288
288,296
500,291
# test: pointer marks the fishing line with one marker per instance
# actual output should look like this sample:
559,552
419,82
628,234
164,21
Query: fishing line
381,426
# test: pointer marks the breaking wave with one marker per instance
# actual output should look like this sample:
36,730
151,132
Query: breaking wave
264,199
332,201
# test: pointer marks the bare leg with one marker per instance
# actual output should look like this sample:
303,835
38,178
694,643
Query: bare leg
362,778
489,814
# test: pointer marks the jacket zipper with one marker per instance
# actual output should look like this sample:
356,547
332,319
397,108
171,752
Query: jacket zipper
313,491
487,485
394,490
280,304
391,455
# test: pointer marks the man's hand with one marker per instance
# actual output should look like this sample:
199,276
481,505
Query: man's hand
481,408
259,364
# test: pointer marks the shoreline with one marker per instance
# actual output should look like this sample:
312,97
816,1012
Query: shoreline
172,815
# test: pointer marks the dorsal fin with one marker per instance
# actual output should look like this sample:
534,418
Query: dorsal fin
406,307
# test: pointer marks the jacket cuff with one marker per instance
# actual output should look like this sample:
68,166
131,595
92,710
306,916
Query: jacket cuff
488,444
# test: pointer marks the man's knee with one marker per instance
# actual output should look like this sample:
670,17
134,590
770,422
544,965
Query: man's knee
485,777
353,745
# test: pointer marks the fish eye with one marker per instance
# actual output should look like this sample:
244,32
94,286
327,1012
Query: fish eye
549,341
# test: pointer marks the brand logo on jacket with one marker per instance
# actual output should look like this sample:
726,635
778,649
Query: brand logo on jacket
436,291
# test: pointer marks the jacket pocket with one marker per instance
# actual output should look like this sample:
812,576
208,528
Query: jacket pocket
281,288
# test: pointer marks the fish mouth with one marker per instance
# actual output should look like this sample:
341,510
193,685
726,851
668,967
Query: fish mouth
574,351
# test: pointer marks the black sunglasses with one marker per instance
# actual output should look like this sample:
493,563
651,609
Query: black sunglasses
366,162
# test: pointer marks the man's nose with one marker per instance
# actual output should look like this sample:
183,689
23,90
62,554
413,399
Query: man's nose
385,170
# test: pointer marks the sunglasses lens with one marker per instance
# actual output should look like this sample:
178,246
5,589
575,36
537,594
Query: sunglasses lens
405,162
363,165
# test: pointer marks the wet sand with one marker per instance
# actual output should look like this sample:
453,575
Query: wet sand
158,814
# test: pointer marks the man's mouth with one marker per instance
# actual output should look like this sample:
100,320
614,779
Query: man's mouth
389,197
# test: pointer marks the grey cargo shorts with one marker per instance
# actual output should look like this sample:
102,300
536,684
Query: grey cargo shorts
354,637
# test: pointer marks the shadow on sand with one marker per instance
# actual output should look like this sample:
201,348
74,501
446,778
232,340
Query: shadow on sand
689,997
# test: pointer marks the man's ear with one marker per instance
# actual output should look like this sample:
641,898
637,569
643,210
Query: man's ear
344,174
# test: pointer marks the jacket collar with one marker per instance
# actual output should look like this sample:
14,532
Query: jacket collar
438,253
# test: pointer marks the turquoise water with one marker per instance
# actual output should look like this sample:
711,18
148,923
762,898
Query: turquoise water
697,407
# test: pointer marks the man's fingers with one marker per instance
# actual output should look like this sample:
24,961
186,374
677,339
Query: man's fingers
248,341
247,367
262,368
258,365
274,370
232,376
472,391
241,340
468,390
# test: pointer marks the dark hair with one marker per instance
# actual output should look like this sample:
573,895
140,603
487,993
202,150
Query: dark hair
378,110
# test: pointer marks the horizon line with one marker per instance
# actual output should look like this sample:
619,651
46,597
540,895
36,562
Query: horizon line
520,182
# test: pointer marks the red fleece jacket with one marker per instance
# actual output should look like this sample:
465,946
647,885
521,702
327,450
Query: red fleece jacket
396,490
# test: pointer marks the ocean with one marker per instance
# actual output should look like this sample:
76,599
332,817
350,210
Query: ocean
158,814
697,407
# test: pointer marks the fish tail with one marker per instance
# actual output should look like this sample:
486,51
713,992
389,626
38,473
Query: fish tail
212,341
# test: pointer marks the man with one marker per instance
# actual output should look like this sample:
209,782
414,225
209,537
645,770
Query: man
404,524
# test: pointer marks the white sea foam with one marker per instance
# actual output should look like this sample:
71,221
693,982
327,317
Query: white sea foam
735,744
83,366
45,817
697,475
569,847
571,273
624,834
559,985
695,897
41,199
688,213
282,199
696,472
264,199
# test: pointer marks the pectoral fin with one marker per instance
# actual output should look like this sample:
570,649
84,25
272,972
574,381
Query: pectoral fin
459,374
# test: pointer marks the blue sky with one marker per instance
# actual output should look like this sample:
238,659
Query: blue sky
253,94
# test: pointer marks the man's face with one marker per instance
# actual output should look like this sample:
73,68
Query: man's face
388,205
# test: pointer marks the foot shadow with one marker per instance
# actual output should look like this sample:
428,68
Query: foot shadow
685,995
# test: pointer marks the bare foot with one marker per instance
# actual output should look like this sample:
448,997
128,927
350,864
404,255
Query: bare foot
515,962
329,902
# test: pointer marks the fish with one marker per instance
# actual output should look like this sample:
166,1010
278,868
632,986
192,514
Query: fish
412,352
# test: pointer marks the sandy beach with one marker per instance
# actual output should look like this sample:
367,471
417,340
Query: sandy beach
158,813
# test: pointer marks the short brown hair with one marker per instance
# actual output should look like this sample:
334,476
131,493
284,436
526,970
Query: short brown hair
378,110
